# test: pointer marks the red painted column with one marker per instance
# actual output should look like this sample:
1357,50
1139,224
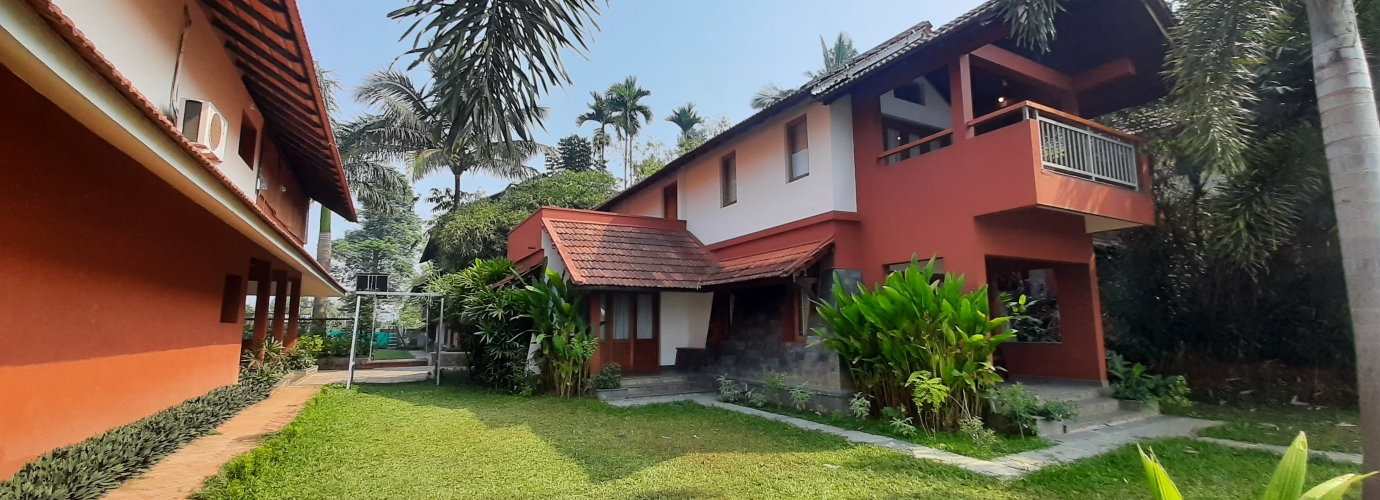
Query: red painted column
961,98
279,304
261,272
294,304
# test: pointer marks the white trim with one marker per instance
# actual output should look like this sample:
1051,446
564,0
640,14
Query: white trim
30,49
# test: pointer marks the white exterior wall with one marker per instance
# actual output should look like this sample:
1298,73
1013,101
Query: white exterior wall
140,37
554,261
684,322
765,198
935,113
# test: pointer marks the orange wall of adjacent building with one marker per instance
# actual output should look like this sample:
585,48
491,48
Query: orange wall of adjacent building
110,305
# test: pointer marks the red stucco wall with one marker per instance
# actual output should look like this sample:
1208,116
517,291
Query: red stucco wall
112,285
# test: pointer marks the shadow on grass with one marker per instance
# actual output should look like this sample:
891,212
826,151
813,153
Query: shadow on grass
612,443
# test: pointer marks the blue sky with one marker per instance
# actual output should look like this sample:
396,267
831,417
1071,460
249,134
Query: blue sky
714,53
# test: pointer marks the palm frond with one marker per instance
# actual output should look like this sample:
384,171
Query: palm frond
1032,21
768,95
493,60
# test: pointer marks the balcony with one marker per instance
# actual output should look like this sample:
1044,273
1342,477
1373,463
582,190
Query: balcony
1028,155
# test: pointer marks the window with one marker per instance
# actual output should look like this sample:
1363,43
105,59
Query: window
901,266
232,302
249,141
644,316
897,133
910,92
798,148
728,180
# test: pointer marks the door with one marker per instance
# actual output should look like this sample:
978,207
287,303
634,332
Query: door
630,336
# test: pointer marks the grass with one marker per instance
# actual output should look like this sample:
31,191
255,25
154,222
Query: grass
1328,429
424,441
948,441
388,354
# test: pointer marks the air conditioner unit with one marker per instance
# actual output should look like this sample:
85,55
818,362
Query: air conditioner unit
203,124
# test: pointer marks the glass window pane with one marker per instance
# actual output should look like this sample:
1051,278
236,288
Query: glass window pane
800,163
644,316
622,316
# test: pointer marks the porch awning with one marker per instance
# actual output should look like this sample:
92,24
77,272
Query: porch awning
619,255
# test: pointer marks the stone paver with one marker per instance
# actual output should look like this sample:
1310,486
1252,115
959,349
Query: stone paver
182,473
1068,447
1335,456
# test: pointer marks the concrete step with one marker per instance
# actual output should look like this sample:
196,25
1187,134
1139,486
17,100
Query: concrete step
639,387
1089,409
650,380
393,363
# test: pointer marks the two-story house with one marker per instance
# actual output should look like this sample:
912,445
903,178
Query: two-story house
955,142
158,160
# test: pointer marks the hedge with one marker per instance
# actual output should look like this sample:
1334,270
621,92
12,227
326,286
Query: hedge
90,468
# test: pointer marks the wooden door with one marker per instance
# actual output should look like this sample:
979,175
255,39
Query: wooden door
630,337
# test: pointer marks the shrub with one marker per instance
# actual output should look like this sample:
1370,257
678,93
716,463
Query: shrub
801,396
729,390
488,319
1020,407
88,469
860,406
983,438
1132,382
609,377
913,323
564,342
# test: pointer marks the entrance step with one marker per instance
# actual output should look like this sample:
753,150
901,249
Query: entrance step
393,363
1096,408
659,385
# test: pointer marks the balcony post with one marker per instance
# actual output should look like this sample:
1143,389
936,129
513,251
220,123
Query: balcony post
961,98
261,273
294,304
279,303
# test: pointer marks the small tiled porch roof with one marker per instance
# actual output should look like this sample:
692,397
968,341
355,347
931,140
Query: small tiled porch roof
609,254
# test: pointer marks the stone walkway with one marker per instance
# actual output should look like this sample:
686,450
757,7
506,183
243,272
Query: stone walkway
1335,456
370,376
1068,447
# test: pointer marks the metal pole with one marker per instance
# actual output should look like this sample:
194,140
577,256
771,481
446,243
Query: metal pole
373,318
440,330
354,338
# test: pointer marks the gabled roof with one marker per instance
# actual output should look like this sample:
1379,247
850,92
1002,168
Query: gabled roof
623,255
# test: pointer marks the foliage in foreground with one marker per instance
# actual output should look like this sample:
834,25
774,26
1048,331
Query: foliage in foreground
918,343
1132,382
90,468
564,341
1286,484
487,318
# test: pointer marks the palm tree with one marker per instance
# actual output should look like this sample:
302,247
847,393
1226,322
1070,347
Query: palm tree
686,118
1214,48
371,180
494,60
406,127
768,95
835,55
599,112
625,99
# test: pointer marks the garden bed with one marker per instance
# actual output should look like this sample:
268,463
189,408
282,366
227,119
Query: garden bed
947,441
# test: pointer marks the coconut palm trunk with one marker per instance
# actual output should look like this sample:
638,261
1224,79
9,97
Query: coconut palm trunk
1351,132
323,256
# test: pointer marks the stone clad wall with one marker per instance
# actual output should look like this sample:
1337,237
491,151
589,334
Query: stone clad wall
754,346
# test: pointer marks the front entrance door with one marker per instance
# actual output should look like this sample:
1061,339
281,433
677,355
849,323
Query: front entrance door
631,336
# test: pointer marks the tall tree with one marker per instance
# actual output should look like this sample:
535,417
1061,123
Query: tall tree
1212,58
372,181
573,154
494,59
407,126
686,118
629,114
599,112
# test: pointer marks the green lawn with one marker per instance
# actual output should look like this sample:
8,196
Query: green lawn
1328,429
956,443
424,441
387,354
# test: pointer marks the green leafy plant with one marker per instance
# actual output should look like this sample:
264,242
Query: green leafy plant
609,377
1032,320
729,390
1132,382
1020,408
774,381
1285,484
488,317
859,406
565,344
982,437
910,323
754,398
90,468
801,396
899,422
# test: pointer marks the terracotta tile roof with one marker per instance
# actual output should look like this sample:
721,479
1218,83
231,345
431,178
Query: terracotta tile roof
618,255
604,254
773,264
